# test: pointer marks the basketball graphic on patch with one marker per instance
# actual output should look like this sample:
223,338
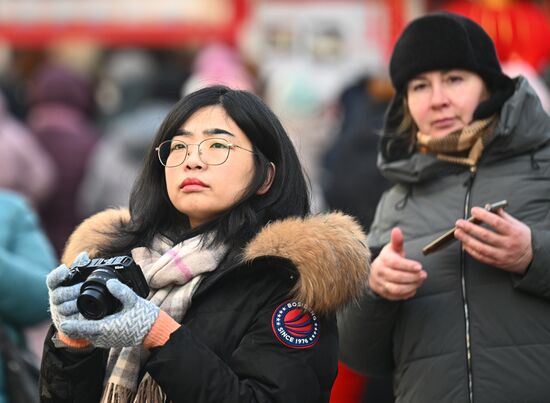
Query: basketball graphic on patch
295,325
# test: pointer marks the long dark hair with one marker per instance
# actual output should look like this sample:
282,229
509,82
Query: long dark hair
153,214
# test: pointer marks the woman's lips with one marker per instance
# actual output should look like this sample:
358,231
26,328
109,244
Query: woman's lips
443,123
192,185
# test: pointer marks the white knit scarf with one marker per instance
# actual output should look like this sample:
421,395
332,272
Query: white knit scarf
173,274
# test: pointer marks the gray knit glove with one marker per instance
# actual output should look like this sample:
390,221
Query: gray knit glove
125,328
63,299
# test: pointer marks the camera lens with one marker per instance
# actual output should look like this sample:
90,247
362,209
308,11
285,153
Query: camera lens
95,301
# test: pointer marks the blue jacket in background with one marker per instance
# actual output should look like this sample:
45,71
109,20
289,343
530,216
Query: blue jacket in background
26,257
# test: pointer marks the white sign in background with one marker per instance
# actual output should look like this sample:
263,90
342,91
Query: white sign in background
114,11
333,42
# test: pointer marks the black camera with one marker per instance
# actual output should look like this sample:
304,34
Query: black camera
95,301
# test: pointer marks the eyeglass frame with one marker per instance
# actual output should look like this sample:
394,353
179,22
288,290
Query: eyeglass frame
230,145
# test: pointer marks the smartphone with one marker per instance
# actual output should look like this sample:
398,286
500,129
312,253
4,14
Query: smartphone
449,235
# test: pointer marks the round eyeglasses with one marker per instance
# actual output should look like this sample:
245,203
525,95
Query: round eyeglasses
212,151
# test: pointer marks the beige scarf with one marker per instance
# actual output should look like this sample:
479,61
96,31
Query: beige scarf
173,274
461,147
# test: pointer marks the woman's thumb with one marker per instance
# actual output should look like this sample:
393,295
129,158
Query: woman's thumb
397,240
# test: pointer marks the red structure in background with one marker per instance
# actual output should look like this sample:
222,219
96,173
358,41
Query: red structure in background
520,29
348,387
108,32
398,20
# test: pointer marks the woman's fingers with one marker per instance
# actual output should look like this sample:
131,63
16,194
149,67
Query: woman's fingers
395,277
57,276
395,291
505,243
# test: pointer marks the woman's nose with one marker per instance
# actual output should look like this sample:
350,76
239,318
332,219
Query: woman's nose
193,159
439,96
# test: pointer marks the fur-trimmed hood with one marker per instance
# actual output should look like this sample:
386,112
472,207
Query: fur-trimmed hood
329,251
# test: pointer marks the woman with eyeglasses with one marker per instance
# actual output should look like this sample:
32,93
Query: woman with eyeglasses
243,283
467,320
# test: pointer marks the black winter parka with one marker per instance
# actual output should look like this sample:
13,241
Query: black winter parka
230,347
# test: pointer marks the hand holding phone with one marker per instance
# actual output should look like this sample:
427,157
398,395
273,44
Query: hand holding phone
448,236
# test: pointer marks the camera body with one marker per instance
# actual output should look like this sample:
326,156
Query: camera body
95,301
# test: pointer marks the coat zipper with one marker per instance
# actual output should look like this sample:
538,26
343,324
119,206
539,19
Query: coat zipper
473,171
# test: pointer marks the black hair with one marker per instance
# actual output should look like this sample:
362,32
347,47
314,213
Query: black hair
153,214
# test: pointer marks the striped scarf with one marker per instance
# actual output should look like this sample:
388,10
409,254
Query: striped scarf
173,274
461,147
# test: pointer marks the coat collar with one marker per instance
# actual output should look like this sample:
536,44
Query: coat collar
328,250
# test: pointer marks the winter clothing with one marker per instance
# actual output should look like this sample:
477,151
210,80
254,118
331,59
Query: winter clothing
57,84
173,273
137,316
25,167
217,63
471,328
351,158
25,259
234,344
463,146
59,117
442,41
62,299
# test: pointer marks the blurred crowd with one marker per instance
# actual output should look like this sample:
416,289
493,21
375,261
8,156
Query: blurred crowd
74,133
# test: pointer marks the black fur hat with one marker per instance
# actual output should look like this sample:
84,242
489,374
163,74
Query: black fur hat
443,41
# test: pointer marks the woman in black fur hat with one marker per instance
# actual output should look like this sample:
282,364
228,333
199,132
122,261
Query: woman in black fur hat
465,321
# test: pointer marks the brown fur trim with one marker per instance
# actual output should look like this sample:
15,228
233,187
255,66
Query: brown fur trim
92,233
330,252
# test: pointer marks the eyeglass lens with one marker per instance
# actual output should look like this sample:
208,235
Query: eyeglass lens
211,152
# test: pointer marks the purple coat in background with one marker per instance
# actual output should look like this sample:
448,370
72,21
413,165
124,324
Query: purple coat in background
61,103
25,167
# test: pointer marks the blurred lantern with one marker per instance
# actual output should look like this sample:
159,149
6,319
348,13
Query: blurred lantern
520,29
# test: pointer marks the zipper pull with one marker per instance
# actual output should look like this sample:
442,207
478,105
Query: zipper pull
473,171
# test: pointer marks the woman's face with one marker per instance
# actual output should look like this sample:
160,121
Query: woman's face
444,101
204,191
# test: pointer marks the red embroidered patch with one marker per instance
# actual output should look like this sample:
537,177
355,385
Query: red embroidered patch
295,325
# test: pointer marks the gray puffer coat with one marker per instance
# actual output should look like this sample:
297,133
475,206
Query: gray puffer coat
472,333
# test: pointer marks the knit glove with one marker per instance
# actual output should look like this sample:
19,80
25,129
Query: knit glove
63,299
124,328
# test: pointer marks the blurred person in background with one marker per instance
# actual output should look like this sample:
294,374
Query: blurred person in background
25,167
15,67
308,115
468,322
117,158
124,81
134,98
26,257
350,161
244,283
61,107
221,64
